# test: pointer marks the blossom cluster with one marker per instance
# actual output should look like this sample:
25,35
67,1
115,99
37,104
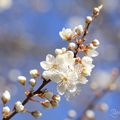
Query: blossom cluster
66,70
66,67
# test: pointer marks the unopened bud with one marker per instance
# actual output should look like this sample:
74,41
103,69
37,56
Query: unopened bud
72,113
79,29
34,73
96,11
72,46
36,114
32,82
5,111
58,51
90,114
103,107
22,80
95,42
54,103
19,107
91,46
5,97
56,98
48,94
46,104
88,19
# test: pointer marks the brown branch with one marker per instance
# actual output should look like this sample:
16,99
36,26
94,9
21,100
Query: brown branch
97,97
26,100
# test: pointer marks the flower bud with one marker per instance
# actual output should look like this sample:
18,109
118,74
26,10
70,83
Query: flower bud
5,111
48,94
54,103
46,104
36,114
103,107
96,11
58,51
79,29
72,46
22,80
32,82
5,97
90,114
56,98
72,114
34,73
64,49
77,60
88,19
91,46
95,42
66,34
19,107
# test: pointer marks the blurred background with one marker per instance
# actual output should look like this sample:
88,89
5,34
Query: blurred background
29,29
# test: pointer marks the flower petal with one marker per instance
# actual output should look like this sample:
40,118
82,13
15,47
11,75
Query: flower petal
50,58
92,53
61,89
45,65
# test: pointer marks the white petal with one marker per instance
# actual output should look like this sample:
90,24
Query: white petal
70,54
86,60
50,58
56,77
61,89
92,53
83,80
45,65
46,75
72,88
61,35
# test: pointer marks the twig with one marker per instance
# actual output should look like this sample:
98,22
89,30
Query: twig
97,97
26,100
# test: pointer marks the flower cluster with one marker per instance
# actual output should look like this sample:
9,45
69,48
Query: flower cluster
67,68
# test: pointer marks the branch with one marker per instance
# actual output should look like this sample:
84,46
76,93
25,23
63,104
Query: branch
99,96
26,100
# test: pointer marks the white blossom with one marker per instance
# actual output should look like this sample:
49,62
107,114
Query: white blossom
87,65
66,34
63,70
